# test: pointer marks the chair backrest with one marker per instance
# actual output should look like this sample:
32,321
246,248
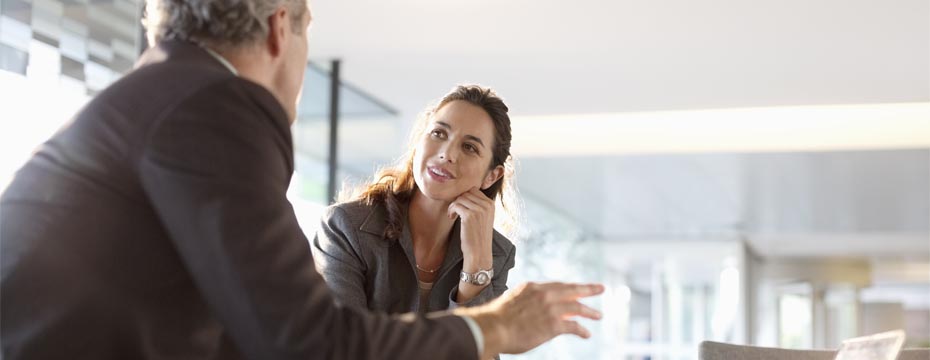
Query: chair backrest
710,350
914,354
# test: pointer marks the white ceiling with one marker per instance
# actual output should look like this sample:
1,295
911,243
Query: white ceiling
767,129
595,56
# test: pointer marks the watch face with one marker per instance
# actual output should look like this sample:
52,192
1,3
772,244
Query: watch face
482,278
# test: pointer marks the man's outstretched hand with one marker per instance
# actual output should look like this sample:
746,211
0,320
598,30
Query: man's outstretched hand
532,314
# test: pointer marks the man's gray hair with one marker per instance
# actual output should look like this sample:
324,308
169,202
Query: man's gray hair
219,23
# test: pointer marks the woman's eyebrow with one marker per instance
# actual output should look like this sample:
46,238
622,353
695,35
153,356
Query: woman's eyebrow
470,137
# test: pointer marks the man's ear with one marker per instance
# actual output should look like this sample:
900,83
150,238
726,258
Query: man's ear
495,174
278,27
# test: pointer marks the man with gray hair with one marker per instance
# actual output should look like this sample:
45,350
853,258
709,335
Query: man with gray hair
156,225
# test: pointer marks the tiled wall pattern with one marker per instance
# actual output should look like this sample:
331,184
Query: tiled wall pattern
87,44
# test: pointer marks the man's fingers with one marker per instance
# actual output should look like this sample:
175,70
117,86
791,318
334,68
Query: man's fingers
573,327
573,308
590,313
571,291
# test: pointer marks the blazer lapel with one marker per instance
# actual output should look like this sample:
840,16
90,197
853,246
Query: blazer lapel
376,223
453,251
406,243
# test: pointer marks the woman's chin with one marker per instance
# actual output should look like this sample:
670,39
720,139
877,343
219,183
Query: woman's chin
436,193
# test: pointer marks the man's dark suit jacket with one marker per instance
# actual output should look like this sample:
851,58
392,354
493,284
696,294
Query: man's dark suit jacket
155,225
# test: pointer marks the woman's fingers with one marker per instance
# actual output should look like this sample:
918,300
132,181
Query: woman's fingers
456,208
479,196
470,203
472,200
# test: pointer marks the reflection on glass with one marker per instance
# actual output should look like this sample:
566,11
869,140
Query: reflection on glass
364,122
795,319
842,315
728,291
662,298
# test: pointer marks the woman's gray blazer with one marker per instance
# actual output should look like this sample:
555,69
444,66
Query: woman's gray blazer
366,270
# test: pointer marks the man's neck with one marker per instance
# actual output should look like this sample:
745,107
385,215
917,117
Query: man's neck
254,65
249,64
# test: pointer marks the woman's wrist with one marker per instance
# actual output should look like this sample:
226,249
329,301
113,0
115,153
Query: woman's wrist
468,291
471,264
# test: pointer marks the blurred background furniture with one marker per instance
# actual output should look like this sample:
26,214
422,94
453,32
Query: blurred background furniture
710,350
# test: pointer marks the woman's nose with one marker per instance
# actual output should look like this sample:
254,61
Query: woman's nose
447,153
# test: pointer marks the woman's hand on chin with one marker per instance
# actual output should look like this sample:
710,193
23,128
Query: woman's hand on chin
477,213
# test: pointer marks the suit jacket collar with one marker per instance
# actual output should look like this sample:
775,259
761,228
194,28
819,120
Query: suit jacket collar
177,50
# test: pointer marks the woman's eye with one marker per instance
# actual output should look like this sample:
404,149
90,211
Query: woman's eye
437,133
471,148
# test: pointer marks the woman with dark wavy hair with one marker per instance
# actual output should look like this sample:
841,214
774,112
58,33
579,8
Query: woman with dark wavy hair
420,236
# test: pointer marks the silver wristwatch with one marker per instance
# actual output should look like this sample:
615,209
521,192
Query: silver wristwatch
480,278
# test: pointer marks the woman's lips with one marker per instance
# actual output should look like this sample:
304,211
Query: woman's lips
439,174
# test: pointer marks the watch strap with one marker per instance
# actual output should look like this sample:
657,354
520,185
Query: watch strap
472,278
